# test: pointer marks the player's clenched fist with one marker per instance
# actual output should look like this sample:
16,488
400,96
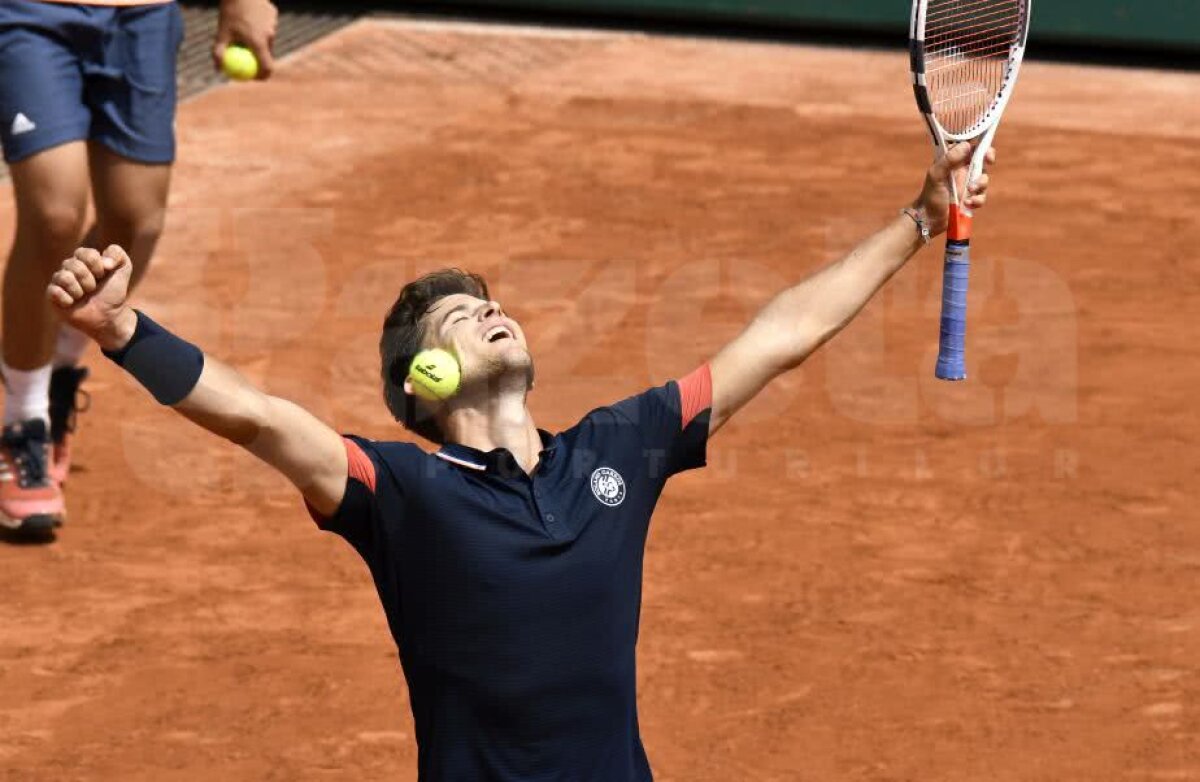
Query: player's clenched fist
89,293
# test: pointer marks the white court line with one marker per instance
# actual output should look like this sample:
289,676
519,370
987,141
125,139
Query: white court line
500,28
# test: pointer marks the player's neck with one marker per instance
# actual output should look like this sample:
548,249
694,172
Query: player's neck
497,421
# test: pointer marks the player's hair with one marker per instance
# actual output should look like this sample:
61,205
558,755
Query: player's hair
404,337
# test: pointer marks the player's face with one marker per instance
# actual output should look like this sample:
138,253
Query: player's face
487,343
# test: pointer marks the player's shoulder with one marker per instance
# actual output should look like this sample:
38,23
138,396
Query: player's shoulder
632,410
396,456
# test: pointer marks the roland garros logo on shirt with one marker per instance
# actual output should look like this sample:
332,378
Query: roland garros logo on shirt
608,486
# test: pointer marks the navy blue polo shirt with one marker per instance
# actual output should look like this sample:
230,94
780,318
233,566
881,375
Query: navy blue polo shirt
514,599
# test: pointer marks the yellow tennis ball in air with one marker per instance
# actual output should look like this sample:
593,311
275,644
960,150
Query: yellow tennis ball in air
239,63
435,375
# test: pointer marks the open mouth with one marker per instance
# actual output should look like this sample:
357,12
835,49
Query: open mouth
497,333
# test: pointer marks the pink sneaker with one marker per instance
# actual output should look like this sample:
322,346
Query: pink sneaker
31,504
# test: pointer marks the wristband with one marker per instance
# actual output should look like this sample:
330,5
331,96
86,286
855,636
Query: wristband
167,366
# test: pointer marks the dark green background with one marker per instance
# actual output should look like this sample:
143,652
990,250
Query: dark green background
1143,24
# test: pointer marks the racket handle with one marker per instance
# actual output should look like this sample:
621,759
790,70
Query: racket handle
951,364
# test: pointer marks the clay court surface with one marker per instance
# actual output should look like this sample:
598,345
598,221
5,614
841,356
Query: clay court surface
879,577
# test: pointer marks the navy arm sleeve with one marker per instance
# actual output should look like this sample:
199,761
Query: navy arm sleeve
672,421
360,517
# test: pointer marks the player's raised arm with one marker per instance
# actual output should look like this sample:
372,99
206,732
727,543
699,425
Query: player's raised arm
804,317
89,292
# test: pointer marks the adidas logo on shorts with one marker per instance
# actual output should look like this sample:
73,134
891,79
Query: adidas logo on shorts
22,124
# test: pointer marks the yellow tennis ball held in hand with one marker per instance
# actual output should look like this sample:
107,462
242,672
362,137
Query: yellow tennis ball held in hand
239,63
434,375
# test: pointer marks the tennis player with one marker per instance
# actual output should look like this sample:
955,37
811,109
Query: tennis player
509,561
87,107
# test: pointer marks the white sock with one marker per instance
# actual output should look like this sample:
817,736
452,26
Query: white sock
70,347
28,394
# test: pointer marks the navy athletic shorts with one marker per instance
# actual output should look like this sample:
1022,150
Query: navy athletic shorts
85,72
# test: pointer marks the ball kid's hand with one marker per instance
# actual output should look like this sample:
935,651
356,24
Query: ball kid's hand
250,23
89,292
935,197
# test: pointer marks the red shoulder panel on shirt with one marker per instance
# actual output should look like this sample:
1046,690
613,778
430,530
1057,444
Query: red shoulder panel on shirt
695,392
359,465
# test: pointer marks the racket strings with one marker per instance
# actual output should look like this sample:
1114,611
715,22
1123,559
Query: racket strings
974,9
968,45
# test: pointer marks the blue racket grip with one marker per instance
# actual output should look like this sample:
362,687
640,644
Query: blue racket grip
951,364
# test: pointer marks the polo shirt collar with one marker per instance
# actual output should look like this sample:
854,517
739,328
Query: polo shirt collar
496,459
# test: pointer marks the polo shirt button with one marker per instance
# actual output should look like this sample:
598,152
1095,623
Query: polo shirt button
550,517
537,492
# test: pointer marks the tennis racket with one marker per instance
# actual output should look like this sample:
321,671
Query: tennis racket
966,55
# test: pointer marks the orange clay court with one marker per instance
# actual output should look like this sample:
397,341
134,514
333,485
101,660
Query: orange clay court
879,577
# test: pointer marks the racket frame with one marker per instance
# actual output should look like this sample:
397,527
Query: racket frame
950,364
